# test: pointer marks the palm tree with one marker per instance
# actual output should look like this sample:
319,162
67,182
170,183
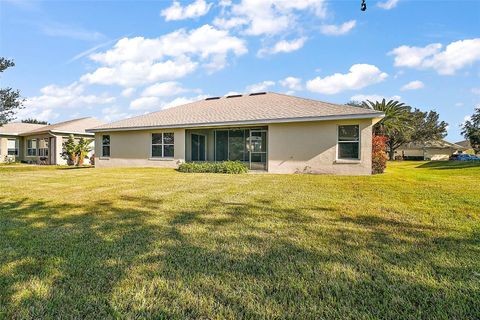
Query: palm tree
82,149
395,125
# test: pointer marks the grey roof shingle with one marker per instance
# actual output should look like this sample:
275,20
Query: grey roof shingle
269,107
71,126
16,128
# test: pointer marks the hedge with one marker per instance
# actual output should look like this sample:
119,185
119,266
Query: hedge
230,167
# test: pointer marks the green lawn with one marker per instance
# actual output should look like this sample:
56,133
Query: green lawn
155,243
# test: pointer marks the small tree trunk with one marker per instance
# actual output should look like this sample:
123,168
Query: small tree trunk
80,160
391,153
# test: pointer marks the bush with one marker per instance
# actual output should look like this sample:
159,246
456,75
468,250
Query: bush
379,156
230,167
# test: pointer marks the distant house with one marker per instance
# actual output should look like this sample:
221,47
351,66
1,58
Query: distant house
466,144
431,150
36,143
267,131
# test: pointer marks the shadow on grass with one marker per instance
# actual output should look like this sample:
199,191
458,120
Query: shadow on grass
103,261
74,167
443,165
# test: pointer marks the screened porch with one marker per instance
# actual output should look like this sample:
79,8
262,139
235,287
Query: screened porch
248,145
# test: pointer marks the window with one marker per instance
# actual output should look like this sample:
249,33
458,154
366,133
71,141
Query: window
162,145
348,142
106,146
32,147
12,147
43,147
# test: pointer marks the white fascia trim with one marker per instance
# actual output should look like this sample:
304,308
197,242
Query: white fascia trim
69,132
248,122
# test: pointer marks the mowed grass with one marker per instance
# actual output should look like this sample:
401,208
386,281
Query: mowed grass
156,243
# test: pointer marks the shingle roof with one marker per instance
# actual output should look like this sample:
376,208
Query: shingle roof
437,144
16,128
246,109
464,143
70,126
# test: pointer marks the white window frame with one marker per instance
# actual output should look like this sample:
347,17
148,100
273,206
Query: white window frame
350,141
162,144
43,152
107,145
35,149
15,149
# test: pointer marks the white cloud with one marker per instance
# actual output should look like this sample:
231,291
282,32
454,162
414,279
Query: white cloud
413,85
71,96
177,12
334,30
114,113
475,90
149,103
387,5
269,17
136,73
459,104
139,60
232,93
360,76
183,100
373,97
145,103
262,86
456,56
163,89
283,46
292,83
37,113
128,92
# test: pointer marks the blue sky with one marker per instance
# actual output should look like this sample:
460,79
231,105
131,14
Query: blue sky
115,59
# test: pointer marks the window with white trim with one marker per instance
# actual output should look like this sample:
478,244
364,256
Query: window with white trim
32,147
12,147
163,145
43,147
106,145
348,142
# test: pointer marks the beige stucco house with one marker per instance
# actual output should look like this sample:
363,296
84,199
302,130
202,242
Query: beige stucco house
430,150
267,131
34,143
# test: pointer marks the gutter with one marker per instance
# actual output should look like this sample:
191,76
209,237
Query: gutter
247,122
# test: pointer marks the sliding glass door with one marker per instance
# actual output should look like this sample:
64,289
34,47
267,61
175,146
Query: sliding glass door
258,149
198,147
246,145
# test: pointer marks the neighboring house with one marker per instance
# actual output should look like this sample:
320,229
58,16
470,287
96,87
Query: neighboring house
36,143
431,150
267,131
468,147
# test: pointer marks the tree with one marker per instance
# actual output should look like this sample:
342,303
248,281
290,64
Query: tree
402,125
395,125
69,150
82,149
10,100
427,126
34,121
471,130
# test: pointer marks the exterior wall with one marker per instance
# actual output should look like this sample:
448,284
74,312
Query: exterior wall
133,149
24,154
4,147
311,147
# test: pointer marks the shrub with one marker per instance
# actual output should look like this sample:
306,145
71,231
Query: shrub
379,156
230,167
